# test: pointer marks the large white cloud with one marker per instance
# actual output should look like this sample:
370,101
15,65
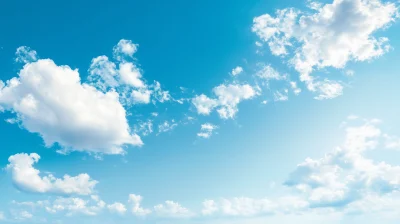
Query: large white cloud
227,99
330,36
51,100
25,177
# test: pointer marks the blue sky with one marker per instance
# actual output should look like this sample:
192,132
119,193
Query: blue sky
199,112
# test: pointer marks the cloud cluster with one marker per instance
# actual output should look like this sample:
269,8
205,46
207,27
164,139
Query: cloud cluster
206,130
51,100
227,99
173,210
330,36
125,76
25,177
346,175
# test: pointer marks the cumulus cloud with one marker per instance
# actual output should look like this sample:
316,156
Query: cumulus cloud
345,175
117,207
25,55
124,48
227,99
206,130
51,100
172,209
136,201
330,36
26,178
236,71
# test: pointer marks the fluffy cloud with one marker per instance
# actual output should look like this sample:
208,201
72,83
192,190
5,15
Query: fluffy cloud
124,48
141,96
50,100
173,210
136,201
236,71
203,104
125,77
117,207
228,98
329,37
207,130
25,177
345,175
267,72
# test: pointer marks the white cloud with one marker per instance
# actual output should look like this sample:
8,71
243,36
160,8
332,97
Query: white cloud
117,207
392,142
130,75
144,128
328,37
295,89
136,201
203,104
281,95
159,94
329,90
250,207
25,177
172,210
209,207
141,96
207,130
75,205
236,71
228,98
269,73
2,216
167,126
50,100
25,55
124,47
21,215
103,73
345,175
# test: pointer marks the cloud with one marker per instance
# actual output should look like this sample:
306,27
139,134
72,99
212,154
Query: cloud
26,178
330,36
203,104
345,175
124,48
117,207
267,72
228,98
236,71
167,126
137,210
50,100
171,209
207,130
250,207
76,205
281,95
125,77
25,55
141,96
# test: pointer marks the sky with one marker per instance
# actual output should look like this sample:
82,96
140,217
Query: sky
217,112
